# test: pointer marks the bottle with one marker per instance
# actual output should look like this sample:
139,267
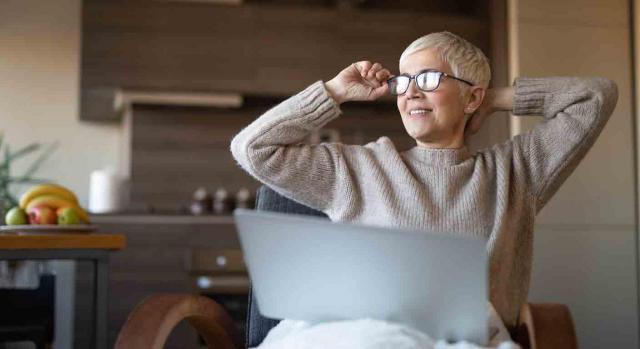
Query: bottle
222,202
201,203
243,198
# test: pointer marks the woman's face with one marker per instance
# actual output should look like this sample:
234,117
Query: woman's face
435,119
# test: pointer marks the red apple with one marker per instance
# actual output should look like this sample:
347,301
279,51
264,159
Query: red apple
42,215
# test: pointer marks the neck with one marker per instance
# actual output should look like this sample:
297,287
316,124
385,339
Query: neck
449,144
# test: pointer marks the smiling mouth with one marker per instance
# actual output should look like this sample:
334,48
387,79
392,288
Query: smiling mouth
416,112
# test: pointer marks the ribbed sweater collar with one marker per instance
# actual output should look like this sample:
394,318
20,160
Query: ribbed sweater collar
439,157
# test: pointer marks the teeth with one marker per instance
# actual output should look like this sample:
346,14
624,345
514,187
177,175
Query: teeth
419,111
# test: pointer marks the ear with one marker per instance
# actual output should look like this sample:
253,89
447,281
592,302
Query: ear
474,99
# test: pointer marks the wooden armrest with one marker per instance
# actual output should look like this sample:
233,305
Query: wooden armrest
546,326
151,322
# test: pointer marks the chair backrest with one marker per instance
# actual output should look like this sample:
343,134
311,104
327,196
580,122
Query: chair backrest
268,200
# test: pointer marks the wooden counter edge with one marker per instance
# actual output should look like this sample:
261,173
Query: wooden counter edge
96,241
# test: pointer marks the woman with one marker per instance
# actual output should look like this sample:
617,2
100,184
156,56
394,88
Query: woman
442,94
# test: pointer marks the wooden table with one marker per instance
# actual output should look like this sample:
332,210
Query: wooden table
80,246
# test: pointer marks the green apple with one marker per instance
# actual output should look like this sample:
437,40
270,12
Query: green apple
68,215
16,216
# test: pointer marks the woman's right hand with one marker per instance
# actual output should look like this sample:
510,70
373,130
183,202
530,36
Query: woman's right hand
361,81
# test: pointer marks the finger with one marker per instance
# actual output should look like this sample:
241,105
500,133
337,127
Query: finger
363,67
382,90
378,92
376,67
383,75
371,75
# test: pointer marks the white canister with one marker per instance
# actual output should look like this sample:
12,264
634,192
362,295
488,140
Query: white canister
107,192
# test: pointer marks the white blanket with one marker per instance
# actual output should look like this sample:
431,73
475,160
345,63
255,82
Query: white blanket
370,334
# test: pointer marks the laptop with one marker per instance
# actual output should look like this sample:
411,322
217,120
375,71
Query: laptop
311,269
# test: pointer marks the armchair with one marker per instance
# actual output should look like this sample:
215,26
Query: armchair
542,326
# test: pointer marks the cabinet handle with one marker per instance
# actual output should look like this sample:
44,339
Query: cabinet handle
223,284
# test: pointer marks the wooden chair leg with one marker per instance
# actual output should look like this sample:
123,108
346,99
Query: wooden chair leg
151,322
546,326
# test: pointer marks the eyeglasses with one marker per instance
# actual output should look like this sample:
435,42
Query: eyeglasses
426,80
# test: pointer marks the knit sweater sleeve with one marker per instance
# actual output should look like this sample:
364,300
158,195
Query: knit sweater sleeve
575,111
271,149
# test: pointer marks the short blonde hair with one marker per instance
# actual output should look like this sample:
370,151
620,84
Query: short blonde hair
465,59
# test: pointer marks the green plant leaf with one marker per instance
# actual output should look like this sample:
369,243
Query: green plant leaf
28,180
12,200
6,166
24,151
7,154
7,200
3,164
45,154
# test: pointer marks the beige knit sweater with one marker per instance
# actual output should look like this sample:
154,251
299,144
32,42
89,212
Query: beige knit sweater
494,193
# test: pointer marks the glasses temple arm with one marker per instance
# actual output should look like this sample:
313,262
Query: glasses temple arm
463,80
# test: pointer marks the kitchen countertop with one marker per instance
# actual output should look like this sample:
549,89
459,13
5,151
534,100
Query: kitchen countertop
160,219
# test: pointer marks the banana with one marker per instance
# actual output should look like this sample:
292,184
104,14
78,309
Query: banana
47,189
84,216
57,202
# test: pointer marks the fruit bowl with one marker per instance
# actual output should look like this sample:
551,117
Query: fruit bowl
47,208
47,228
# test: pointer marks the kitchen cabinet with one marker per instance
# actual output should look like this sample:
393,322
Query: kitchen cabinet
248,49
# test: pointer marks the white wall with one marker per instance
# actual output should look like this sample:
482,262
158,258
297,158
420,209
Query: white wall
585,239
39,91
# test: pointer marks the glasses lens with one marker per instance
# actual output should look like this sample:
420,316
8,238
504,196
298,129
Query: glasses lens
428,81
398,85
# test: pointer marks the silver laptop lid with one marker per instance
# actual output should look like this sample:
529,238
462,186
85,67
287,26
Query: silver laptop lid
311,269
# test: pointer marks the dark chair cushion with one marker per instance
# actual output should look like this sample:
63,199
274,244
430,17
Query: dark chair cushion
268,200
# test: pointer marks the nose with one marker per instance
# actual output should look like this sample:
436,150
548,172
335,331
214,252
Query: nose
413,91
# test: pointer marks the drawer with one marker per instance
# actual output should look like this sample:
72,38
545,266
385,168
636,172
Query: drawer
211,261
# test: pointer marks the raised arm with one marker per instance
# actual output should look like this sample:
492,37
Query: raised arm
271,148
575,109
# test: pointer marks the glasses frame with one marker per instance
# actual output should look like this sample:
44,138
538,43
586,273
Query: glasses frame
413,77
